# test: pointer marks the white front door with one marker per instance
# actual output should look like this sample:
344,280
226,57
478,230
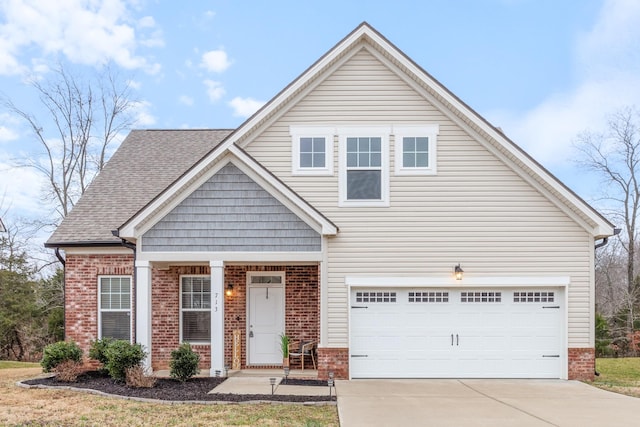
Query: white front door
265,324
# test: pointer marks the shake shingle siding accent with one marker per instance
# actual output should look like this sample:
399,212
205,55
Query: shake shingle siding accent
230,212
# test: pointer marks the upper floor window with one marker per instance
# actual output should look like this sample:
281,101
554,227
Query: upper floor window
312,150
114,295
364,176
195,308
415,149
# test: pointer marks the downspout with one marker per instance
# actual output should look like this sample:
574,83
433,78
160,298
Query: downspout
132,246
604,242
64,292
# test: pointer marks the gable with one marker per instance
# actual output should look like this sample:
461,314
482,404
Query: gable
230,212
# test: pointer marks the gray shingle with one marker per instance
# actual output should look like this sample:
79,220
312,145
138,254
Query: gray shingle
144,165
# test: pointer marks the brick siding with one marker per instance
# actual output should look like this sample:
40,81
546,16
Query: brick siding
335,360
582,363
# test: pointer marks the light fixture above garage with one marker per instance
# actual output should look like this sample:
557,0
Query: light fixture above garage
229,291
458,272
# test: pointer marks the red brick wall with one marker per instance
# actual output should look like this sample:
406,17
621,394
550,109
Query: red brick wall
582,363
302,305
333,359
81,293
165,317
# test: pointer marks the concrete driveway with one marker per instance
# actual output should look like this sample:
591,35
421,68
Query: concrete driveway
494,403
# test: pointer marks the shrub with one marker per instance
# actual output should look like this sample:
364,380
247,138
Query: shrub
120,355
184,363
98,351
61,351
68,371
135,377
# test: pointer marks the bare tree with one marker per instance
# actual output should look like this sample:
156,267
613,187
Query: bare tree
83,118
615,157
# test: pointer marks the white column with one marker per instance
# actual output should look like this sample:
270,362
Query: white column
217,316
143,309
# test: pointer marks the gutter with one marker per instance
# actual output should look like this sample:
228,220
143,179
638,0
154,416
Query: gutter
125,243
604,242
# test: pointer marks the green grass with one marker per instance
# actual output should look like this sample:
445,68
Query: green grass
622,372
8,364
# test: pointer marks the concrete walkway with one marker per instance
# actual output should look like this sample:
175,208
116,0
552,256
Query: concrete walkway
262,385
494,403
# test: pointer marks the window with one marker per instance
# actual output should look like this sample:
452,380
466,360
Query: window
115,307
364,176
383,296
534,296
429,296
195,308
483,296
415,149
312,150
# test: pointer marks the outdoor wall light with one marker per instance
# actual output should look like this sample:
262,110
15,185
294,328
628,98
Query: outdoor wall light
458,272
229,291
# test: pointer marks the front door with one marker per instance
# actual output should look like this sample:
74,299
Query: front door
265,323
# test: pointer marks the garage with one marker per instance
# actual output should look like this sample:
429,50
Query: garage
457,333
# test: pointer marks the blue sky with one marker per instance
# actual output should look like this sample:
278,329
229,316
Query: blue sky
542,70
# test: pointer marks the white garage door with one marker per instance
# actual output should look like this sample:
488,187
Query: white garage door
461,333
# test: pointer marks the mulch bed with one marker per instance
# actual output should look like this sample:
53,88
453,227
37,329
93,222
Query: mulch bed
196,389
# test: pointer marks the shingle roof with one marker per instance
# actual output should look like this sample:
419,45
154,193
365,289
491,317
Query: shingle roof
144,165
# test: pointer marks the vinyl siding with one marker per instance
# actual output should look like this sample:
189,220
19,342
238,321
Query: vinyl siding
476,211
230,212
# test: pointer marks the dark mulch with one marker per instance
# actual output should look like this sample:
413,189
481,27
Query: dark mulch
196,389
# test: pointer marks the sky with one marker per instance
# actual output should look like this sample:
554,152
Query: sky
542,70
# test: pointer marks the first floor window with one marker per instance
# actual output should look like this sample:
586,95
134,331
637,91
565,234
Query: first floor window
115,307
195,308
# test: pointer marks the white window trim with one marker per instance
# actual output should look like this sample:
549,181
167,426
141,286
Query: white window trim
298,132
430,131
130,310
182,310
381,132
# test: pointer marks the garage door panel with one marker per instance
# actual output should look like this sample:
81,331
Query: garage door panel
412,333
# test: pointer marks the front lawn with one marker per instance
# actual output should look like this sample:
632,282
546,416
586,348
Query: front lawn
7,364
620,375
37,407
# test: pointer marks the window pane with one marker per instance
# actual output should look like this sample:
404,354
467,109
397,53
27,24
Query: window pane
105,300
352,145
318,160
363,144
318,145
422,160
376,145
352,160
186,300
196,326
363,160
306,160
364,185
409,160
306,145
376,160
116,325
422,144
408,144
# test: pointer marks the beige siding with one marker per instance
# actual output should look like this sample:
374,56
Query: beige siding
475,211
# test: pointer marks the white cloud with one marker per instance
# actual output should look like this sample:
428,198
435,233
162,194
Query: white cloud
141,113
245,107
185,100
89,32
7,134
215,90
215,61
20,189
607,69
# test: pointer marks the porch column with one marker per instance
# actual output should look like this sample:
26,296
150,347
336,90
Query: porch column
217,316
143,309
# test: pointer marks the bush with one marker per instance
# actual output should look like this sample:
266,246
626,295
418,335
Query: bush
135,377
68,371
184,363
61,351
120,355
98,351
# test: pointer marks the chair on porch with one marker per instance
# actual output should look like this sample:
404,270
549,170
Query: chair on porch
303,349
